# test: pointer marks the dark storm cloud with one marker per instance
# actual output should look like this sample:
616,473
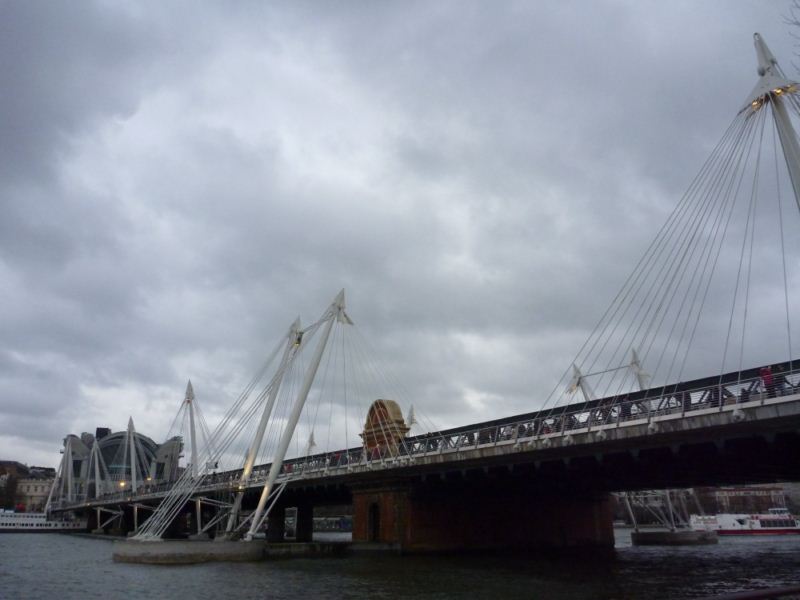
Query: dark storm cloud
180,181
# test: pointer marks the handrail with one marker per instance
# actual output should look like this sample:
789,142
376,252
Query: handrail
607,413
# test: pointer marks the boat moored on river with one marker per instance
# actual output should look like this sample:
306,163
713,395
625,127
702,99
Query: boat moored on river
23,522
777,521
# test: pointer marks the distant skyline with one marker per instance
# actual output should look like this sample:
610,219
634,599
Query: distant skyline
178,181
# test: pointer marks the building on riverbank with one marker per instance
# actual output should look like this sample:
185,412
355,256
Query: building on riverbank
106,460
32,491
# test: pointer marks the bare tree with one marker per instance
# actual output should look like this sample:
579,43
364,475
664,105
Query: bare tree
793,21
8,497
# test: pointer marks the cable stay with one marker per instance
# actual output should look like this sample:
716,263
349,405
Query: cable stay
63,488
129,468
705,295
222,444
97,472
189,423
322,401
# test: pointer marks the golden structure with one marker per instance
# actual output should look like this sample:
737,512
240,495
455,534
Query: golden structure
384,428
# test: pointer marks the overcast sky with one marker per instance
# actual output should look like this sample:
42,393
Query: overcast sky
179,180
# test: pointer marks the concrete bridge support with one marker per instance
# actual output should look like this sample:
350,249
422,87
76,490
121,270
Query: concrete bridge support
304,524
429,519
276,524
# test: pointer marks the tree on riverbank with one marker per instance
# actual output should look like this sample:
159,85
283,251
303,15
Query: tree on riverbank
8,492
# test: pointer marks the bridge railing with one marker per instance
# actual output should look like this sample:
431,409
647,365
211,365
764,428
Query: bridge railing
611,412
545,426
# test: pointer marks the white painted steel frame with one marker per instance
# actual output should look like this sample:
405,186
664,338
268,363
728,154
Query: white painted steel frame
336,312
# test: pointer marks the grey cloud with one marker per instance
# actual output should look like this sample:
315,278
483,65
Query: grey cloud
63,65
180,181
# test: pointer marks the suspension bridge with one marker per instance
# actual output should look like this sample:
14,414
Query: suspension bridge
641,406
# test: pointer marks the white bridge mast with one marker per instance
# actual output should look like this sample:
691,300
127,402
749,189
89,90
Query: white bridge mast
774,87
335,313
293,343
189,400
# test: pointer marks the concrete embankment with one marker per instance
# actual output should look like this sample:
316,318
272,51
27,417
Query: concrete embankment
673,538
179,552
306,549
95,536
176,552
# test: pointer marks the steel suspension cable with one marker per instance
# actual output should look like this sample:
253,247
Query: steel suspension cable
671,229
614,306
625,296
667,277
708,270
713,270
783,244
751,222
716,200
735,292
672,271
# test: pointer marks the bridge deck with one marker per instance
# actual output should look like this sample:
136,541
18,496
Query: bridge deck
733,402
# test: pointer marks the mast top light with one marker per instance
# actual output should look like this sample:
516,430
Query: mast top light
772,81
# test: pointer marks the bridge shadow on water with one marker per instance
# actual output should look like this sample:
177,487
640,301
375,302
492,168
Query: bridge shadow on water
734,565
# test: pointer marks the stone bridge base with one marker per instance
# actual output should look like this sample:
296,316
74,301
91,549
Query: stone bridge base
421,519
182,552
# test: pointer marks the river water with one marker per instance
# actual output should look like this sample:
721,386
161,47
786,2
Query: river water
54,566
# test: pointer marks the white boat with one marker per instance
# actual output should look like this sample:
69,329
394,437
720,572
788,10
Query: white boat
777,521
22,522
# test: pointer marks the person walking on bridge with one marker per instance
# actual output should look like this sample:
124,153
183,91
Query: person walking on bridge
768,381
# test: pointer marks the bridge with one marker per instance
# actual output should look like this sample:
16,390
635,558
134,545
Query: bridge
751,435
537,479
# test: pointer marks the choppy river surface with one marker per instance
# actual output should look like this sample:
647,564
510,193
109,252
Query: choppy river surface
51,566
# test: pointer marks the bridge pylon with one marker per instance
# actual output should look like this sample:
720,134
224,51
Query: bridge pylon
336,312
294,341
775,88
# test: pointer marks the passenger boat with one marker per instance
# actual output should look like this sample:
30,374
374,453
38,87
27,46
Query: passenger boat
22,522
777,521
